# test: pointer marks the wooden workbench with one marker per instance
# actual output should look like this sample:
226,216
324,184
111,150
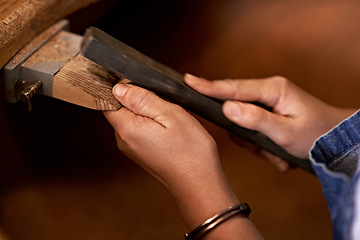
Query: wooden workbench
22,20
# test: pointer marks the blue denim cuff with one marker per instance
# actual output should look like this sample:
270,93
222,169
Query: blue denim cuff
335,158
339,149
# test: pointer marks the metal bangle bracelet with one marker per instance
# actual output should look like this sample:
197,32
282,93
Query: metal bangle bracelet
211,223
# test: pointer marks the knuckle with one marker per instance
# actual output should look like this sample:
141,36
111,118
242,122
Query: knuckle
127,135
284,139
175,110
232,88
280,81
277,87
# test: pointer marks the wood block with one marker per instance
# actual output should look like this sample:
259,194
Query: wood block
85,83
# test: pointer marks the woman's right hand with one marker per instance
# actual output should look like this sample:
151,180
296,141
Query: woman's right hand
297,118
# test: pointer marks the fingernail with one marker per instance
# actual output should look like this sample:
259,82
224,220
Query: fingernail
119,89
232,108
190,78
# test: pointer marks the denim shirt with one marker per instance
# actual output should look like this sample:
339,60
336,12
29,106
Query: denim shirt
335,158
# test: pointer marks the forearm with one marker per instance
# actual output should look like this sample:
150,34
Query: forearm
202,195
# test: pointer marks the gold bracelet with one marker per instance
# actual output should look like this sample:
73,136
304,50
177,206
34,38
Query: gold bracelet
211,223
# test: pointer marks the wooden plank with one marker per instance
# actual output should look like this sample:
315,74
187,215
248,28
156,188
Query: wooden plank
85,83
146,72
22,20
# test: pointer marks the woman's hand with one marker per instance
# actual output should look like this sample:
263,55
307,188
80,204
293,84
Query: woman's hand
173,146
162,137
297,118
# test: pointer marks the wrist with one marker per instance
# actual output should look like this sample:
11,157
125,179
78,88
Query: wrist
210,224
202,194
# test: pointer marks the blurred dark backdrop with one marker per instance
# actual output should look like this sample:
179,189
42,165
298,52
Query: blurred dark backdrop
62,177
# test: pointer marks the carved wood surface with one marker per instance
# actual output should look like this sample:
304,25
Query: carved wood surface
22,20
85,83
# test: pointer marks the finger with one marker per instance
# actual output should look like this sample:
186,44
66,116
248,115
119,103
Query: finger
256,118
266,91
142,102
216,89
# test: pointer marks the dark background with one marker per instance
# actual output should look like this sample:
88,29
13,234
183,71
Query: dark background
62,177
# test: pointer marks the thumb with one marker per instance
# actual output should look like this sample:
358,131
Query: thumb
256,118
140,101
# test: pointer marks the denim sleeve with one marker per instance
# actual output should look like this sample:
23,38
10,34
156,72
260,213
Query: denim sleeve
335,159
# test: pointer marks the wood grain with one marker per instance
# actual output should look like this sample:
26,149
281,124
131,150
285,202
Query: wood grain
22,20
85,83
